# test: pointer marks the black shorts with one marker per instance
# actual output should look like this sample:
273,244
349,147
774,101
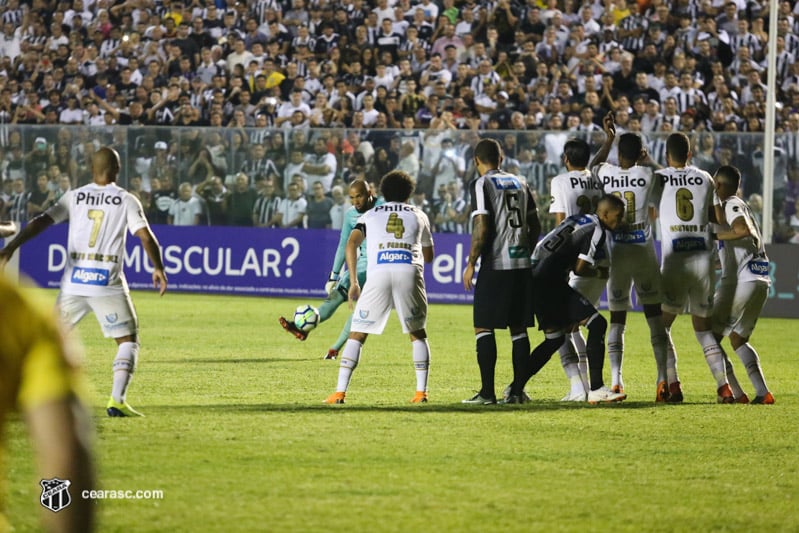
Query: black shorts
558,306
503,298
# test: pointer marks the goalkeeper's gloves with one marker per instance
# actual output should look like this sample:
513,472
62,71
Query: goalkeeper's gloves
332,281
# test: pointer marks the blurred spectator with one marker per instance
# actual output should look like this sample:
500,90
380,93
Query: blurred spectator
18,204
187,209
267,207
241,202
41,197
292,208
318,208
340,206
215,197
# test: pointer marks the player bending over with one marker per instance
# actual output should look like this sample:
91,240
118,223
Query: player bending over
362,201
399,244
571,246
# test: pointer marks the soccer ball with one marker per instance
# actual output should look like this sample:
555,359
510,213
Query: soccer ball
306,318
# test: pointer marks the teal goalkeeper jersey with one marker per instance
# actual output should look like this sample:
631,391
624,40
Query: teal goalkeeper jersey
350,218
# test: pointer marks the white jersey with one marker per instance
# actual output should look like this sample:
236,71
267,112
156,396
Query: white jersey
576,192
635,186
99,216
742,259
395,234
686,196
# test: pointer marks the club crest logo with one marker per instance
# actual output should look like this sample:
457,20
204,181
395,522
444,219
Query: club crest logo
55,494
112,318
363,314
617,293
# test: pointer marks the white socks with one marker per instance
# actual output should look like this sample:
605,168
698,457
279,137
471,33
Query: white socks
713,356
569,362
421,362
582,356
671,359
616,352
124,365
349,360
751,362
657,335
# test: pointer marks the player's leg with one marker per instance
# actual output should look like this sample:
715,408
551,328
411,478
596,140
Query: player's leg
722,322
749,300
488,312
370,316
410,302
520,317
540,356
72,309
570,361
117,318
700,298
674,296
343,290
647,282
624,259
591,289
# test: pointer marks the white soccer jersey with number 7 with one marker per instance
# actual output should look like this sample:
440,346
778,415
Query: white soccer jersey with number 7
99,218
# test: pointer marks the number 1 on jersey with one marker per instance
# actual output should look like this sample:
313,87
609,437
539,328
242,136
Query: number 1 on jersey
629,199
96,216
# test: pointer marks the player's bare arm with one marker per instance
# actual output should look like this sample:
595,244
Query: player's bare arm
153,250
7,229
34,227
586,269
428,253
534,225
479,236
610,134
739,230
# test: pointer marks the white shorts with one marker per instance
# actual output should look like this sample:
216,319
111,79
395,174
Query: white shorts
402,290
688,279
633,264
737,307
115,313
589,288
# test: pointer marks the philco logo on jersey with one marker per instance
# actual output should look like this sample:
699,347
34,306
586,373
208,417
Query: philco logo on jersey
393,208
394,257
681,181
90,276
97,199
623,182
585,183
508,182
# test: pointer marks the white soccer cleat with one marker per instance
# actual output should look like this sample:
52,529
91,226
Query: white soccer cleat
575,397
605,395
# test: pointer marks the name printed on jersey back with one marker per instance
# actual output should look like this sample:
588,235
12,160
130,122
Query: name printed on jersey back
90,276
504,183
97,199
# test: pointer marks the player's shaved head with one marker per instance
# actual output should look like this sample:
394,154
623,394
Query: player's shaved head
105,164
678,147
359,186
610,211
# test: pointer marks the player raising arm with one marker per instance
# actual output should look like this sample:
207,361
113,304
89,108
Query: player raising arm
362,201
632,258
744,283
399,243
99,215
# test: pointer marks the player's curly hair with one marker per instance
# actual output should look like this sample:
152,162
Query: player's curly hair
397,186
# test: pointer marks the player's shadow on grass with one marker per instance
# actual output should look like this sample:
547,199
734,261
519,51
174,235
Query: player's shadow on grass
532,407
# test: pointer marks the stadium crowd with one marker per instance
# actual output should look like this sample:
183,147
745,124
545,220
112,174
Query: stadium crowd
268,108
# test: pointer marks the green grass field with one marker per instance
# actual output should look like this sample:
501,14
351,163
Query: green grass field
238,440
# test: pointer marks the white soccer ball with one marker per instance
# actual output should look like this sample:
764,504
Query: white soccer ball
306,318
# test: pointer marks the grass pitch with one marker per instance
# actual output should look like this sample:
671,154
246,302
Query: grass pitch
238,440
